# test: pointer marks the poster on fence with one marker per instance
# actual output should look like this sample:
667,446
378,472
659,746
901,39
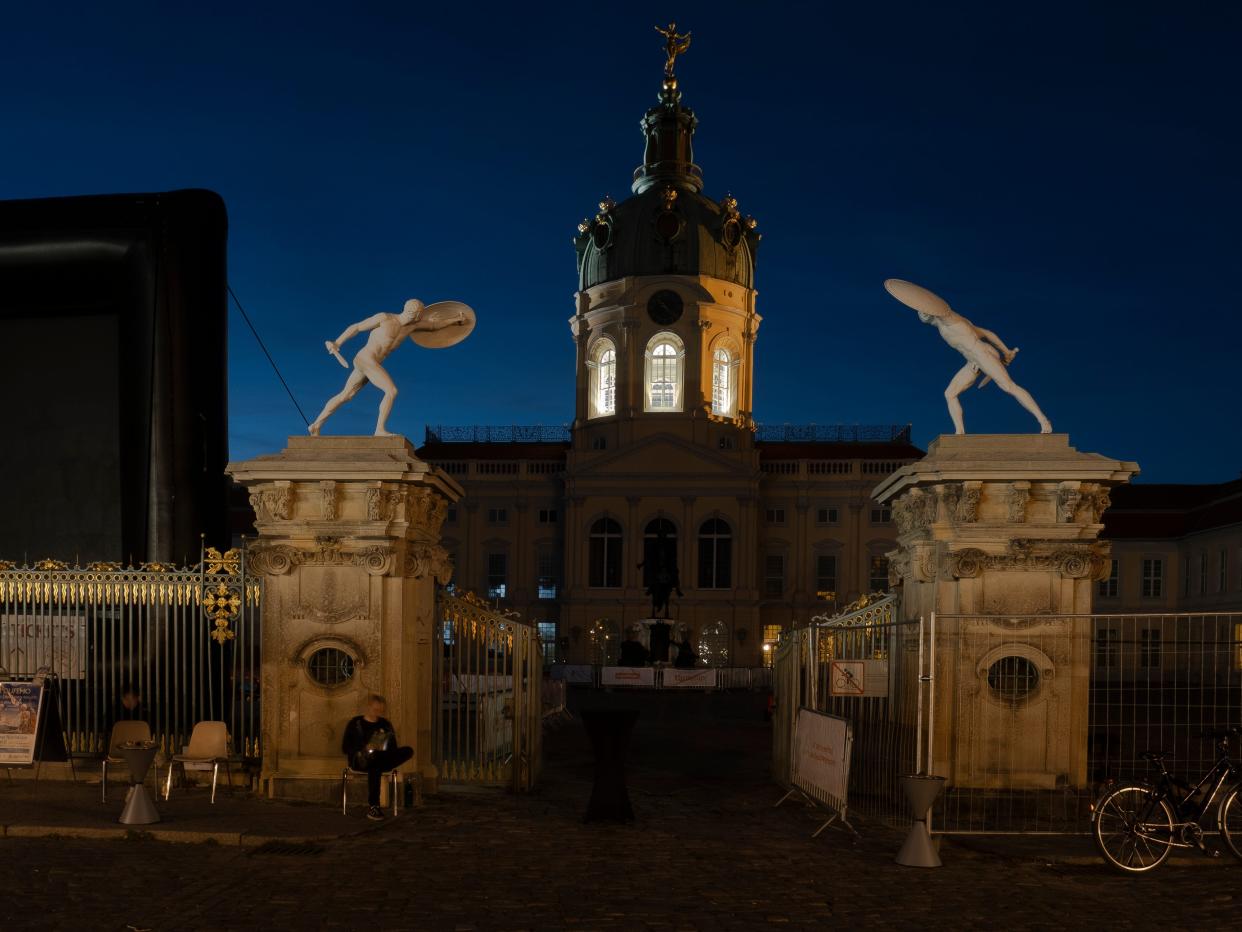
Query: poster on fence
54,642
822,746
627,676
861,678
20,705
689,679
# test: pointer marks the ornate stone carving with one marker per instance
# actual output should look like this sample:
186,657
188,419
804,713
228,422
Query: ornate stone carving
898,566
271,504
1019,495
968,506
1073,561
950,495
428,559
1095,503
1068,500
279,559
271,559
425,511
967,564
325,612
914,512
327,494
385,505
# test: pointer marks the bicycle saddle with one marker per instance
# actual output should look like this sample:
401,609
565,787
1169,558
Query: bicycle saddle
1154,756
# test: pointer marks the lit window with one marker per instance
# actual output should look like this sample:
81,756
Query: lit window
771,637
878,579
881,515
1153,578
497,575
602,365
714,644
1108,587
664,372
605,554
723,393
827,516
715,554
549,575
826,577
547,639
774,574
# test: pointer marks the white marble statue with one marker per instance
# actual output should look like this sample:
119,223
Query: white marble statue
985,352
417,321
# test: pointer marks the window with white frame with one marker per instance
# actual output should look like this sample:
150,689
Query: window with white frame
828,515
715,554
724,379
774,574
547,639
664,357
771,637
826,577
548,565
1153,578
604,571
1108,587
774,515
602,388
878,578
881,514
497,575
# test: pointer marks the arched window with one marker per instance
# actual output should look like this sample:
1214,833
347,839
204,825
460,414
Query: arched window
724,383
664,358
602,390
715,554
605,543
714,644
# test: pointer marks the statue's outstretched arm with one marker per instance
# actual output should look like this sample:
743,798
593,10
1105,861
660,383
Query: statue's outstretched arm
994,340
441,324
354,329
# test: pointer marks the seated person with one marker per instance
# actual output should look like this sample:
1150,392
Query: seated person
685,654
370,744
633,654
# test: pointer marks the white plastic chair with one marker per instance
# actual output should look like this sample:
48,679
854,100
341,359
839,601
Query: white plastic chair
209,744
124,733
348,772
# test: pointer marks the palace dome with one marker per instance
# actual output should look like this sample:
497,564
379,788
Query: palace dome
667,227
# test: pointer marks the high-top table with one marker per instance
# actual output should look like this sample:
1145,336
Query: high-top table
139,809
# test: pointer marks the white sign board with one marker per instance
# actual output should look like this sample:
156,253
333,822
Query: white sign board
822,756
865,678
54,642
689,679
627,676
20,706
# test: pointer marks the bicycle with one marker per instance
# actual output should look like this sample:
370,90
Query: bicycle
1137,825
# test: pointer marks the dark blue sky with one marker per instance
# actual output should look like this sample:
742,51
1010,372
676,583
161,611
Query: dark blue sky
1066,174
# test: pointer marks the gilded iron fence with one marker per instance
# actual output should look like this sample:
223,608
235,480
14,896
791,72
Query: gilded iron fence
489,708
1032,715
865,666
186,639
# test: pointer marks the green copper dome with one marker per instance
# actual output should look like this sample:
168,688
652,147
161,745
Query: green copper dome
668,227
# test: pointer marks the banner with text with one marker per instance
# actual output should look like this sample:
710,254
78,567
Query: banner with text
54,642
627,676
689,679
822,745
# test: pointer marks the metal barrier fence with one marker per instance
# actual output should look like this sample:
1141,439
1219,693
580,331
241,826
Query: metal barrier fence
1032,714
489,708
187,639
870,669
722,678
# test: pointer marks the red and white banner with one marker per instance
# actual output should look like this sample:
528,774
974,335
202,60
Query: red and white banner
689,679
627,676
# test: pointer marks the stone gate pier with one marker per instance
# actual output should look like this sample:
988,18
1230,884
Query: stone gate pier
998,535
349,548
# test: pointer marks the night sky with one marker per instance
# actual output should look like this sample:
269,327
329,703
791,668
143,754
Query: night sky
1066,174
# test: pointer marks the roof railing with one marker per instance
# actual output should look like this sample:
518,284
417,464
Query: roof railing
833,433
513,434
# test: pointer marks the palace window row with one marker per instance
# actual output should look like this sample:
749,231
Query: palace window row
664,373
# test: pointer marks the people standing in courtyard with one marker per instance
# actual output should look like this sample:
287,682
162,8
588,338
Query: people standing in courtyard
632,654
370,744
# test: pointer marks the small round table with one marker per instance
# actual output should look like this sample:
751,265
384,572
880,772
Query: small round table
139,809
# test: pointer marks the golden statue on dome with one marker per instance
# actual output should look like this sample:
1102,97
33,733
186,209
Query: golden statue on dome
674,44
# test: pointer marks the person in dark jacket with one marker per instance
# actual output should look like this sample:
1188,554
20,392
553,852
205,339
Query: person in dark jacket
370,744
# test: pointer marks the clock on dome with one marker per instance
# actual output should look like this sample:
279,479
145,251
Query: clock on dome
665,307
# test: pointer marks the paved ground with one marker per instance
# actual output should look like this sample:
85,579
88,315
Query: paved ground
709,852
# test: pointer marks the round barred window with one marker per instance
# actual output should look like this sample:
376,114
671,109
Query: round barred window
330,666
1013,678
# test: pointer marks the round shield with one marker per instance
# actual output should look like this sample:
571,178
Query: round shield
917,297
445,312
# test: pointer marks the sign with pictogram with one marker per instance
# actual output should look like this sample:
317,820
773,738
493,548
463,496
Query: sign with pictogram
867,678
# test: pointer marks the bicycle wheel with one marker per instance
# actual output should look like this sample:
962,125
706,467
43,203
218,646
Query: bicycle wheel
1231,821
1133,828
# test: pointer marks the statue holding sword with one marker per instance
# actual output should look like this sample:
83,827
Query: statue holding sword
426,325
984,351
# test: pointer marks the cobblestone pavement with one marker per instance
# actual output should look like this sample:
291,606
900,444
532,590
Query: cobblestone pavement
709,852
